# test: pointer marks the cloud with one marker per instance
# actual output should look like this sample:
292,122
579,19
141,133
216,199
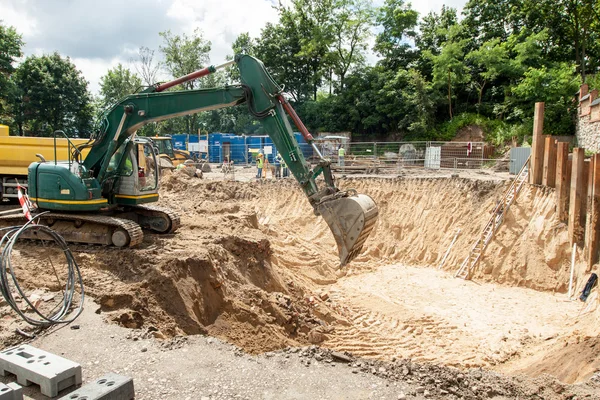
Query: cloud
425,6
99,34
223,21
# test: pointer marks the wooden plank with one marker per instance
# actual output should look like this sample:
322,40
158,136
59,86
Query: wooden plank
562,182
549,176
576,200
537,145
593,215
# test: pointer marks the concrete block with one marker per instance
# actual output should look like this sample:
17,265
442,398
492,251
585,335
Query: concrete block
31,365
11,391
108,387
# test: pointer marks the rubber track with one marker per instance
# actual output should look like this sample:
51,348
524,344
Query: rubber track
155,210
136,235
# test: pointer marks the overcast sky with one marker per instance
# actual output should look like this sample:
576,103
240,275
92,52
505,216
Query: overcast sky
99,34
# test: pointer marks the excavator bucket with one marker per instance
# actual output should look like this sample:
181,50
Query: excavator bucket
350,219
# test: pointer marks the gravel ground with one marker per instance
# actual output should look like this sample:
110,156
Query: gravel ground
204,368
199,367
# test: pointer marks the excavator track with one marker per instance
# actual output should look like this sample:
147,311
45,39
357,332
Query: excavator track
148,216
82,228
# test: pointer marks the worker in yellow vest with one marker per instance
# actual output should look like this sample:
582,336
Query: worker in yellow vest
341,155
259,165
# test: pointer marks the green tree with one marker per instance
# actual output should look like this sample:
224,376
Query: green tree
183,55
493,19
433,33
491,61
419,106
552,85
312,22
352,22
449,69
279,48
398,22
52,95
11,45
118,83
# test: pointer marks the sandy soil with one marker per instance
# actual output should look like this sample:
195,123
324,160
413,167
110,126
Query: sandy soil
427,315
253,266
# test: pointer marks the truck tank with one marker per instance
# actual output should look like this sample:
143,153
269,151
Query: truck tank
18,152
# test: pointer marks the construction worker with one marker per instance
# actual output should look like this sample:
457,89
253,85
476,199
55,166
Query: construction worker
259,165
278,161
341,154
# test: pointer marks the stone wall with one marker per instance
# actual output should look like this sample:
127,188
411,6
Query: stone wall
588,119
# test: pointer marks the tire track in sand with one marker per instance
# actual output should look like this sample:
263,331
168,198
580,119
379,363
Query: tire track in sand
389,330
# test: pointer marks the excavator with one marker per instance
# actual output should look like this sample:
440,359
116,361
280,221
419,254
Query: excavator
168,153
103,198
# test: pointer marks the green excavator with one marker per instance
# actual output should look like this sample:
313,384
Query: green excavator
102,198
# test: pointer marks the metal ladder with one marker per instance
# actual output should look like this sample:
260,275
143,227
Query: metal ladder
470,264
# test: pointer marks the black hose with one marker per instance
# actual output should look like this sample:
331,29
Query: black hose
74,279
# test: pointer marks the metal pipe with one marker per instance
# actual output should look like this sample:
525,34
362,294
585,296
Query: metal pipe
314,146
194,75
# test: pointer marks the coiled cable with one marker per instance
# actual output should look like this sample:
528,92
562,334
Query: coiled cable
73,282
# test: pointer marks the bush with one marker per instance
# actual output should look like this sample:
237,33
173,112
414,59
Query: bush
449,129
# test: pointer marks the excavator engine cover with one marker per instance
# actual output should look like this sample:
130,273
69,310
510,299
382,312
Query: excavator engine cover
351,220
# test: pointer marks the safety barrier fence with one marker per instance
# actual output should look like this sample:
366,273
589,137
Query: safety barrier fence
378,157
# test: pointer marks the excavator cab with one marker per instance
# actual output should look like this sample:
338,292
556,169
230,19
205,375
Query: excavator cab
135,165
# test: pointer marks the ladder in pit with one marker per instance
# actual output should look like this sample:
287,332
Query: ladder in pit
487,234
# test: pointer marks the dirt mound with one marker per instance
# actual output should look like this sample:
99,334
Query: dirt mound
215,275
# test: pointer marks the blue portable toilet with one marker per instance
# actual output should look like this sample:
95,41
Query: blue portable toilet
180,141
238,149
214,147
307,150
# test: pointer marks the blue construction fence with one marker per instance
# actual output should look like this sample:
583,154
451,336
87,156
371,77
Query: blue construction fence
240,149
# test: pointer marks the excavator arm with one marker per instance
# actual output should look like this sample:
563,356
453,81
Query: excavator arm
350,216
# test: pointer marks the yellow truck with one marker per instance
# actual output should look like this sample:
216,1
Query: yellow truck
17,152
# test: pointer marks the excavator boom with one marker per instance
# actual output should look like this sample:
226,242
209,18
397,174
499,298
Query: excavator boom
107,177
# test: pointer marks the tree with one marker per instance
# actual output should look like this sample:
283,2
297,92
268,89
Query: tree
118,83
398,22
183,55
52,95
491,60
145,66
433,33
449,68
493,19
553,86
311,21
11,44
352,27
279,48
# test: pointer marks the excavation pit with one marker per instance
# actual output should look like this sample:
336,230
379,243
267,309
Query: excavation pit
253,266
